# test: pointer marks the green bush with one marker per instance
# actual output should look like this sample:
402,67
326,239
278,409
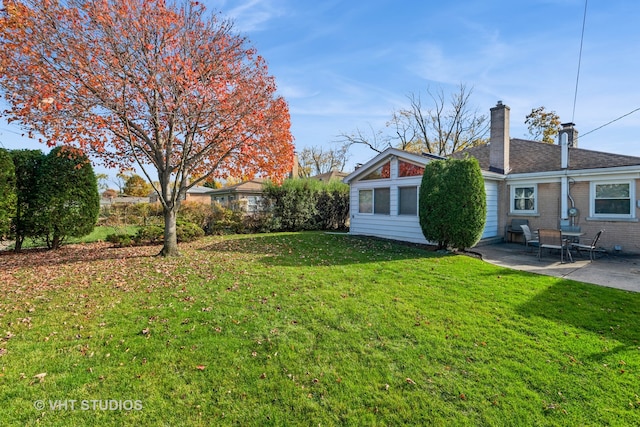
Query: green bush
119,239
453,205
306,204
188,231
150,234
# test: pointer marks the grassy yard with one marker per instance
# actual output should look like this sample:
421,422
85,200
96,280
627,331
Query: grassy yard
99,233
308,329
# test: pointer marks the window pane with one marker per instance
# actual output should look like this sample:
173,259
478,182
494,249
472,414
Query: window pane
524,199
409,169
382,172
365,201
613,206
408,203
381,201
612,191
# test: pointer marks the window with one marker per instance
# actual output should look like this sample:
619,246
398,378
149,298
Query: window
382,172
523,199
375,201
409,169
408,201
365,201
611,199
381,201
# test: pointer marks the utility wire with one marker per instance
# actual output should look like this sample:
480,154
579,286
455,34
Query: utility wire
575,96
608,123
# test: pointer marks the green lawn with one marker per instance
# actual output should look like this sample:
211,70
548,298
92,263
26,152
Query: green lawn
99,234
308,329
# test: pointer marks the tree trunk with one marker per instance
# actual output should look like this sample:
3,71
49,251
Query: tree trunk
170,247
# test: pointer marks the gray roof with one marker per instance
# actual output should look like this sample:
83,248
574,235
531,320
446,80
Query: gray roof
531,156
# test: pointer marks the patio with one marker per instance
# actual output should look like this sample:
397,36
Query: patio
619,271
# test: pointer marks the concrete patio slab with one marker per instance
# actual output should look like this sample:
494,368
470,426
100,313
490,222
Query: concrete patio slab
613,270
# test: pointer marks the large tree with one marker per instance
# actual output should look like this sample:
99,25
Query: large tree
443,125
135,185
151,83
543,124
317,160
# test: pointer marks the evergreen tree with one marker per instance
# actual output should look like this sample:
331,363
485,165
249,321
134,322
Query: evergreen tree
70,204
7,192
28,169
453,206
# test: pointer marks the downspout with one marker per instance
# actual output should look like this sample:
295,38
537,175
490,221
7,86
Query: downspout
564,181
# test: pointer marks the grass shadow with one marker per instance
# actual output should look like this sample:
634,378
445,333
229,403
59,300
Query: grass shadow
610,313
308,249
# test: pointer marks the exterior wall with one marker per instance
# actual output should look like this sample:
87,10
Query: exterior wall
405,227
624,233
199,198
393,226
491,228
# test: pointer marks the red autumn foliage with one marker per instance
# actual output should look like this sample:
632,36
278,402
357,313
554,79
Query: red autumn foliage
160,85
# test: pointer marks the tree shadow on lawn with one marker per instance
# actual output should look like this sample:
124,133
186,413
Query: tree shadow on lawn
610,313
72,253
319,249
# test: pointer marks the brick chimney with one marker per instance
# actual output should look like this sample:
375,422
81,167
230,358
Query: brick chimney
499,139
572,134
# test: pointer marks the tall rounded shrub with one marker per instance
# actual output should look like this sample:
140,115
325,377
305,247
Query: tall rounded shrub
453,203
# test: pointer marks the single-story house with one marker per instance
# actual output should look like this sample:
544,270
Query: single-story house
547,184
384,196
197,194
245,196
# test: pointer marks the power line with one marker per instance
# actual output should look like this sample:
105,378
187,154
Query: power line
608,123
575,96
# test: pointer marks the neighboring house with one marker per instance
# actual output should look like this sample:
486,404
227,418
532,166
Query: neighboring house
196,194
330,176
122,200
245,196
547,184
384,196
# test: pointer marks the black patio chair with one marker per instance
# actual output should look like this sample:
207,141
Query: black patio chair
589,247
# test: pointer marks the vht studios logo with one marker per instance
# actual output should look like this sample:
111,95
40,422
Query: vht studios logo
88,405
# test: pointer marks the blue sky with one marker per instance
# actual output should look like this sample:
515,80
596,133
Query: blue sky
343,65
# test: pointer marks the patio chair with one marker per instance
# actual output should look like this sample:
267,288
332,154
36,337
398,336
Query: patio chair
514,229
529,239
590,247
552,239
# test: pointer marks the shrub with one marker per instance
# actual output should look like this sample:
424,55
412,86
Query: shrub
306,204
453,206
188,231
119,239
150,234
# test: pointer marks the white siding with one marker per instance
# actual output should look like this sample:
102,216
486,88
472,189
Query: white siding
491,226
392,226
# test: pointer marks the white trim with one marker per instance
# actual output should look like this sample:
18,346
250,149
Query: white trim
512,197
632,200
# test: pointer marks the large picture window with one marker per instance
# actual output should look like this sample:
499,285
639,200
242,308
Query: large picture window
523,199
612,199
408,201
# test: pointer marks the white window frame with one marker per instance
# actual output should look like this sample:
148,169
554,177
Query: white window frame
417,188
592,199
512,199
373,200
360,190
